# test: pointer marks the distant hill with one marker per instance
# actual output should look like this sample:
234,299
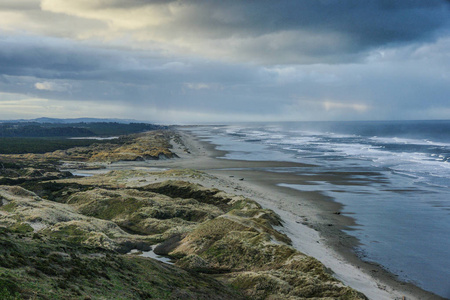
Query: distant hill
73,120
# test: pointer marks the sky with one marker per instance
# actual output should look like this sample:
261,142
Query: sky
191,61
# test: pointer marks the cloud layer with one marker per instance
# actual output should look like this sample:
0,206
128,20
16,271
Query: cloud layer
193,61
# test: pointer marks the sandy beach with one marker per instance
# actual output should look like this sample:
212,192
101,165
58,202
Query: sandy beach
313,222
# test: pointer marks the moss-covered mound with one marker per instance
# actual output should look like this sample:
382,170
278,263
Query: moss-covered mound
257,260
36,267
26,211
143,212
69,236
49,250
15,172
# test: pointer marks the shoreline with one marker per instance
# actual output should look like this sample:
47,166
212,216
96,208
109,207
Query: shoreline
311,220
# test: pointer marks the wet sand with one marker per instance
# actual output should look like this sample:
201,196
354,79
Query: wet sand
313,221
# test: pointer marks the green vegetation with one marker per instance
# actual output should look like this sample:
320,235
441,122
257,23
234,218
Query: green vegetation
20,145
14,171
53,190
113,129
34,129
224,246
21,138
42,268
38,130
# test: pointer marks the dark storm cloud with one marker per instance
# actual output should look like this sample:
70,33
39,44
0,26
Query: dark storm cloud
57,59
370,21
308,28
74,71
269,32
362,24
45,59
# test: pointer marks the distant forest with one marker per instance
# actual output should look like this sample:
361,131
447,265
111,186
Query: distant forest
22,145
34,129
34,137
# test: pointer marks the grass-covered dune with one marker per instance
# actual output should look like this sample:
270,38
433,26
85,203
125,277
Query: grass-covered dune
135,147
224,246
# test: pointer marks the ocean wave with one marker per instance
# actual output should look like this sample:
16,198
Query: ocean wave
391,153
408,141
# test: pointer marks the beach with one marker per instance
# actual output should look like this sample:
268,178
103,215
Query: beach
313,222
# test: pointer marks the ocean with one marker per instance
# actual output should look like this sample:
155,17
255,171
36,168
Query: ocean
395,183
